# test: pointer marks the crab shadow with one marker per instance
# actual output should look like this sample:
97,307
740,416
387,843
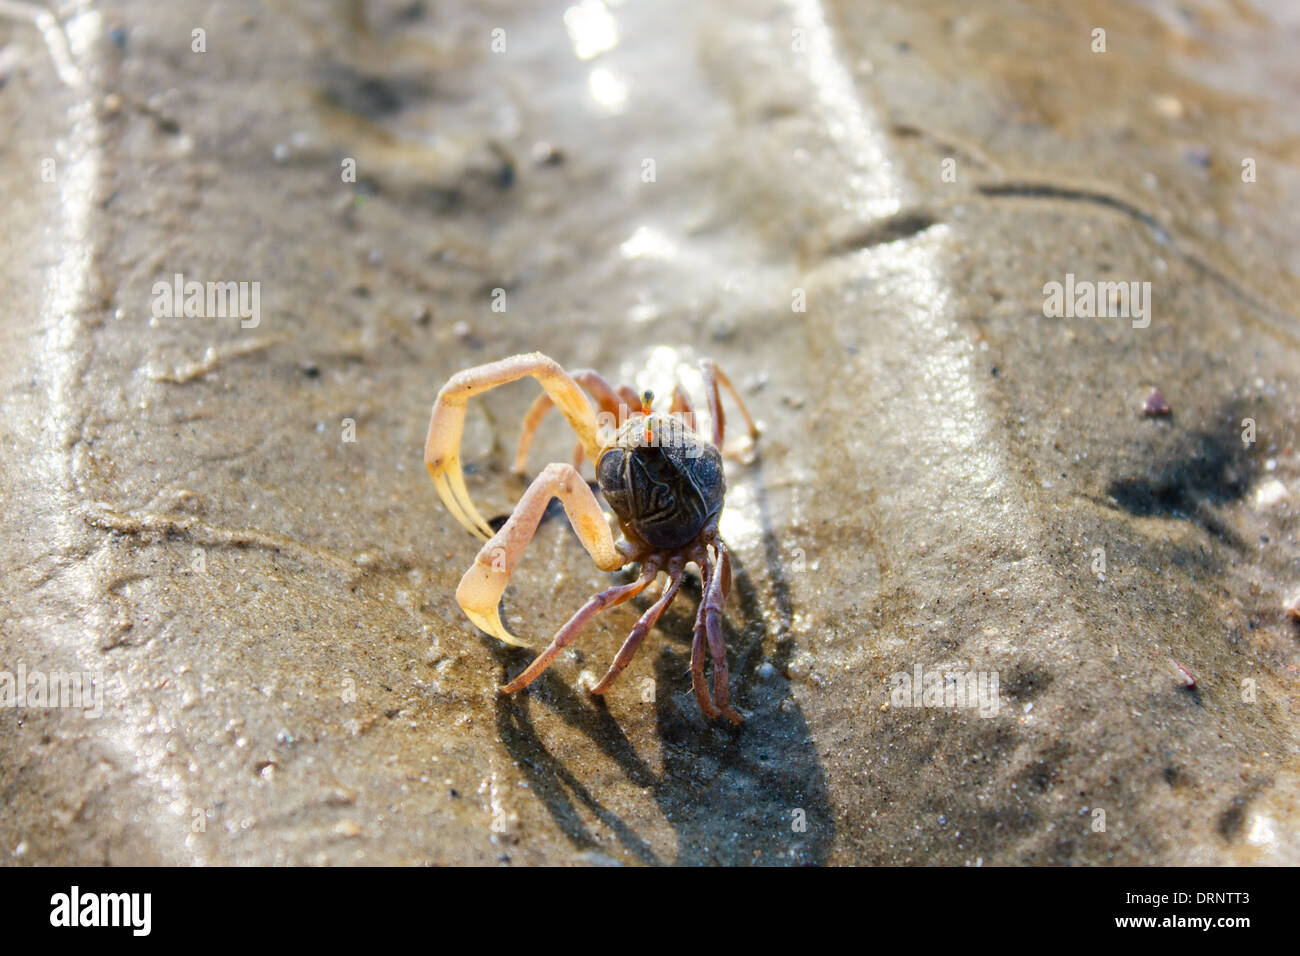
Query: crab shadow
749,795
1190,475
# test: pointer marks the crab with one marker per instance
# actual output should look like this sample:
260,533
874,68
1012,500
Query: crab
663,480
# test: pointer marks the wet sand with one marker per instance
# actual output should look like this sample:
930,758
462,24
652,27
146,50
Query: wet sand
228,523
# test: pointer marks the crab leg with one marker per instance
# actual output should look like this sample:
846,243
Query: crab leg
599,389
697,643
609,598
713,377
643,626
481,588
682,407
711,611
447,422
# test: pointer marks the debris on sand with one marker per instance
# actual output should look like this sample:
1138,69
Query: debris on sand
1155,405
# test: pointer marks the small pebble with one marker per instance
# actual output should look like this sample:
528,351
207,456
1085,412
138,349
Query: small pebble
1199,156
1168,106
1155,404
1270,493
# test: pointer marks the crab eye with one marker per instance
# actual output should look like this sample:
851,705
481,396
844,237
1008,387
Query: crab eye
609,472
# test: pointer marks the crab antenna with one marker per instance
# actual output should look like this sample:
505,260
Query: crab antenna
646,398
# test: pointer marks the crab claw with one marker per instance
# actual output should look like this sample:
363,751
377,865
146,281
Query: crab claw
442,459
442,447
480,590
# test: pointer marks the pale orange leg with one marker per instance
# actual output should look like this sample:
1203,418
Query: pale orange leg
481,588
682,406
607,400
447,422
627,394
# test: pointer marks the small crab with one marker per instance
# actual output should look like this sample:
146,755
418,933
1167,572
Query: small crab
664,482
